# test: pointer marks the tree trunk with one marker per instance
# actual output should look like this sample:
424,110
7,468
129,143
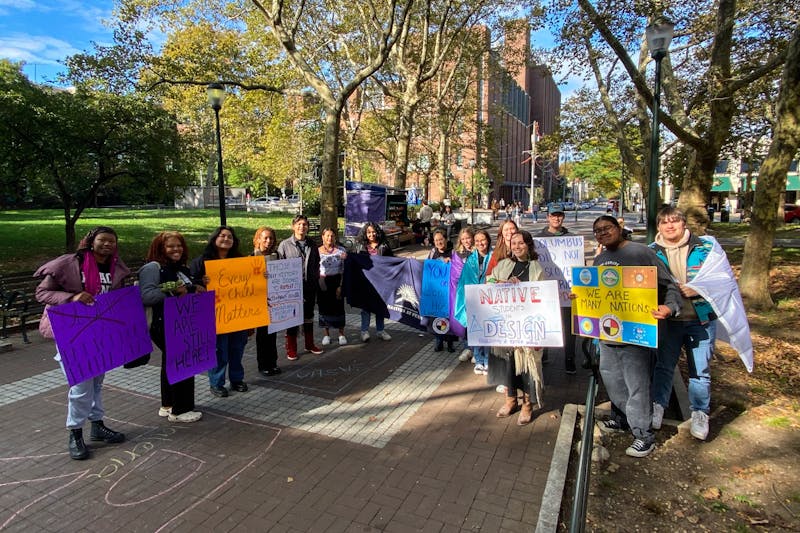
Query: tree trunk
403,144
330,164
754,281
443,164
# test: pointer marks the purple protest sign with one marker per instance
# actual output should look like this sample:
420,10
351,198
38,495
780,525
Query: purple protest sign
456,266
189,331
93,339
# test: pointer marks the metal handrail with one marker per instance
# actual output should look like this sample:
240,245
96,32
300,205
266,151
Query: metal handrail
581,495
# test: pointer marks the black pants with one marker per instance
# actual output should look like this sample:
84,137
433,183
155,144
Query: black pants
180,395
266,349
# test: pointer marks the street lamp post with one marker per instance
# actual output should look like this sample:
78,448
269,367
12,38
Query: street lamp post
472,192
216,96
659,35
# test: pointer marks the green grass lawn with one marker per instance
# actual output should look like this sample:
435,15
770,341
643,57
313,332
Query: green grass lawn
31,237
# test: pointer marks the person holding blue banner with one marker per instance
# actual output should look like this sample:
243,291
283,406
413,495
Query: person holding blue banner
441,252
167,275
372,241
474,273
223,244
626,369
94,269
265,243
518,368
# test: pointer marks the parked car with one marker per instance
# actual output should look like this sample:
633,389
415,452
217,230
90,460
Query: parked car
293,198
791,213
265,200
569,206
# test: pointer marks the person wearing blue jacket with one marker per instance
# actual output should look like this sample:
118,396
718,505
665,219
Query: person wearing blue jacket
694,329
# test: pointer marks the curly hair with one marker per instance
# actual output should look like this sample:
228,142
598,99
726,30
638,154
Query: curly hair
379,234
158,248
257,237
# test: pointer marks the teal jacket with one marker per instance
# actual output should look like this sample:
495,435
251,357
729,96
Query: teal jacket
698,252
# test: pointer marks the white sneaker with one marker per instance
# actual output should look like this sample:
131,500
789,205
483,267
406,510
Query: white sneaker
384,336
187,417
364,336
479,369
326,340
164,411
342,340
472,359
699,429
501,389
465,356
658,415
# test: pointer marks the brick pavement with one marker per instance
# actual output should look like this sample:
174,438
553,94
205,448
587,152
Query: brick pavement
392,436
420,450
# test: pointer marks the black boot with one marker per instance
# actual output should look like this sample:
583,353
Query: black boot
77,448
450,347
101,432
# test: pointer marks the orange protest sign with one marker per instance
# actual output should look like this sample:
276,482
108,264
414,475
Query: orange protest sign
241,293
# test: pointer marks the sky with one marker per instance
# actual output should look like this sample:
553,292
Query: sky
42,33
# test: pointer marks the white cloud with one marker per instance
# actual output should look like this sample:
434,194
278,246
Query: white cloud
37,49
18,4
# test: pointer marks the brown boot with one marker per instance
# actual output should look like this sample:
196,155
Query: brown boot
526,413
508,408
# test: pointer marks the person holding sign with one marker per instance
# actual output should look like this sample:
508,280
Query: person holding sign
626,368
299,246
223,244
167,275
555,228
79,277
519,368
474,273
442,252
331,277
265,243
372,241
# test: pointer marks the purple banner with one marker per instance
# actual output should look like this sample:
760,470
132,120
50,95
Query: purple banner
456,266
389,286
93,339
189,332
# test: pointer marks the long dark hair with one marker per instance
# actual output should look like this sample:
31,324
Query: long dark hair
379,234
527,238
210,251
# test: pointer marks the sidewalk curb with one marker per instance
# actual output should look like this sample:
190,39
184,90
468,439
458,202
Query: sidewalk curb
556,478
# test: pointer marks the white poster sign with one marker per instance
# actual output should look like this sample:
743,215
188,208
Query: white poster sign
285,293
514,314
556,256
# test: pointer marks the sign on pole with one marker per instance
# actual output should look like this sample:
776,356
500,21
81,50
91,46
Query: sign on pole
285,293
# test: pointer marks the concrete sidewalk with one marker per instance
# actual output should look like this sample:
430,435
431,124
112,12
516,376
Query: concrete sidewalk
377,436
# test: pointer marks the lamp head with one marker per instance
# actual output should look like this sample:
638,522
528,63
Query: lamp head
659,34
216,95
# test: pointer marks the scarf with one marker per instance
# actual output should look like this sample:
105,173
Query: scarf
91,274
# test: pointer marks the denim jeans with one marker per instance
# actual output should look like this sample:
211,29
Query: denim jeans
481,354
698,341
84,400
626,372
230,350
365,321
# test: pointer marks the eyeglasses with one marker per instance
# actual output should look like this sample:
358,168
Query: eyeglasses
603,230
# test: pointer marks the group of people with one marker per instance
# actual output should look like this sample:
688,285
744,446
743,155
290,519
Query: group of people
637,383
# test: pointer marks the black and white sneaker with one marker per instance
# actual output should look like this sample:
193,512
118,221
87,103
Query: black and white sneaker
640,448
607,427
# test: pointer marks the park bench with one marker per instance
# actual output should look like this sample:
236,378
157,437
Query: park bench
18,304
19,307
